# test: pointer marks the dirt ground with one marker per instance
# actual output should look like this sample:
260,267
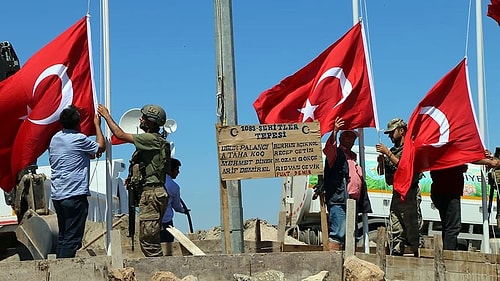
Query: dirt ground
95,239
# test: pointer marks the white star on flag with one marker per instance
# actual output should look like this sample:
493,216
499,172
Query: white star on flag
308,111
338,81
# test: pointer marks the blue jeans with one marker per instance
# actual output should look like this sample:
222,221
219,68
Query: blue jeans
71,217
336,222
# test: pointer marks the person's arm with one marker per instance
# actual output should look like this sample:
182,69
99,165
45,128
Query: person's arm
490,162
176,201
393,158
381,148
330,149
115,129
99,137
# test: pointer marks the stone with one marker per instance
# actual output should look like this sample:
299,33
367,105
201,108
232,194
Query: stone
356,270
164,276
321,276
122,274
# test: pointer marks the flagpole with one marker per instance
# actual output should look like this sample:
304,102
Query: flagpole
485,245
361,150
107,94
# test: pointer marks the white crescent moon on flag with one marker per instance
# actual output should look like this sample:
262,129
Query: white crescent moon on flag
444,125
345,84
66,92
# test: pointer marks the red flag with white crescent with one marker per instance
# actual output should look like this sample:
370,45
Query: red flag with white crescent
494,10
336,83
31,100
442,130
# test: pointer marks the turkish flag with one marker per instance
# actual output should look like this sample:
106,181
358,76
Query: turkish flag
336,83
31,100
494,10
442,130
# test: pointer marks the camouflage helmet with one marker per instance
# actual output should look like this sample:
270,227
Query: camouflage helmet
154,113
394,124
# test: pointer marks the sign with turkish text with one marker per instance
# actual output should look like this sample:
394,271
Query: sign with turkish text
269,150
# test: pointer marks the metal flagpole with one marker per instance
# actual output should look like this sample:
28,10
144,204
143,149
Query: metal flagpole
361,150
485,245
107,102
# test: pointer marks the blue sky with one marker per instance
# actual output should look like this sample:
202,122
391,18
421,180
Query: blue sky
163,52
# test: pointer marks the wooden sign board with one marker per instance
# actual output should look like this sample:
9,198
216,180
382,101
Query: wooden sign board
269,150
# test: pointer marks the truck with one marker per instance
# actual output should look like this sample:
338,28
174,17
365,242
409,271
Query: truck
28,224
303,213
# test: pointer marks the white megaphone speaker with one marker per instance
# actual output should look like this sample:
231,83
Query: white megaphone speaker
129,122
170,126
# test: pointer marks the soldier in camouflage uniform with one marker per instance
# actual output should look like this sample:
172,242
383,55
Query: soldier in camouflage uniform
405,217
153,197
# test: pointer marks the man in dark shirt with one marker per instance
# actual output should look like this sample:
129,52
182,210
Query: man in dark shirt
446,188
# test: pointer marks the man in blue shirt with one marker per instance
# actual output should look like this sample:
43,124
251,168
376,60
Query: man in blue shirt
174,204
69,155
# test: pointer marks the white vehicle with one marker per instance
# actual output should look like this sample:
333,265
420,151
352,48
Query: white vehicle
303,213
27,216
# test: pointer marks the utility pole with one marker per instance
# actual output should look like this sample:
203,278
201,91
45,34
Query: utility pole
231,211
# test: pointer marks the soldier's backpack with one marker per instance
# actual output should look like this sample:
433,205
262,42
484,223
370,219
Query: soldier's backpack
137,169
164,160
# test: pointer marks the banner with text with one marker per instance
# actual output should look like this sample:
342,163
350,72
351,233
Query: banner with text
269,150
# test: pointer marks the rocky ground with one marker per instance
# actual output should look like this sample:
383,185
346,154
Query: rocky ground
94,238
94,241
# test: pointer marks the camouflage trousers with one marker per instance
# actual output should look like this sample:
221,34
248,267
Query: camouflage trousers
152,206
405,222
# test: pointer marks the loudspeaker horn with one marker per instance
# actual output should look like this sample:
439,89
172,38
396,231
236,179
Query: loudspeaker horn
170,126
129,122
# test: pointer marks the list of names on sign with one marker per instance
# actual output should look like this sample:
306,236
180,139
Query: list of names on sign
269,150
